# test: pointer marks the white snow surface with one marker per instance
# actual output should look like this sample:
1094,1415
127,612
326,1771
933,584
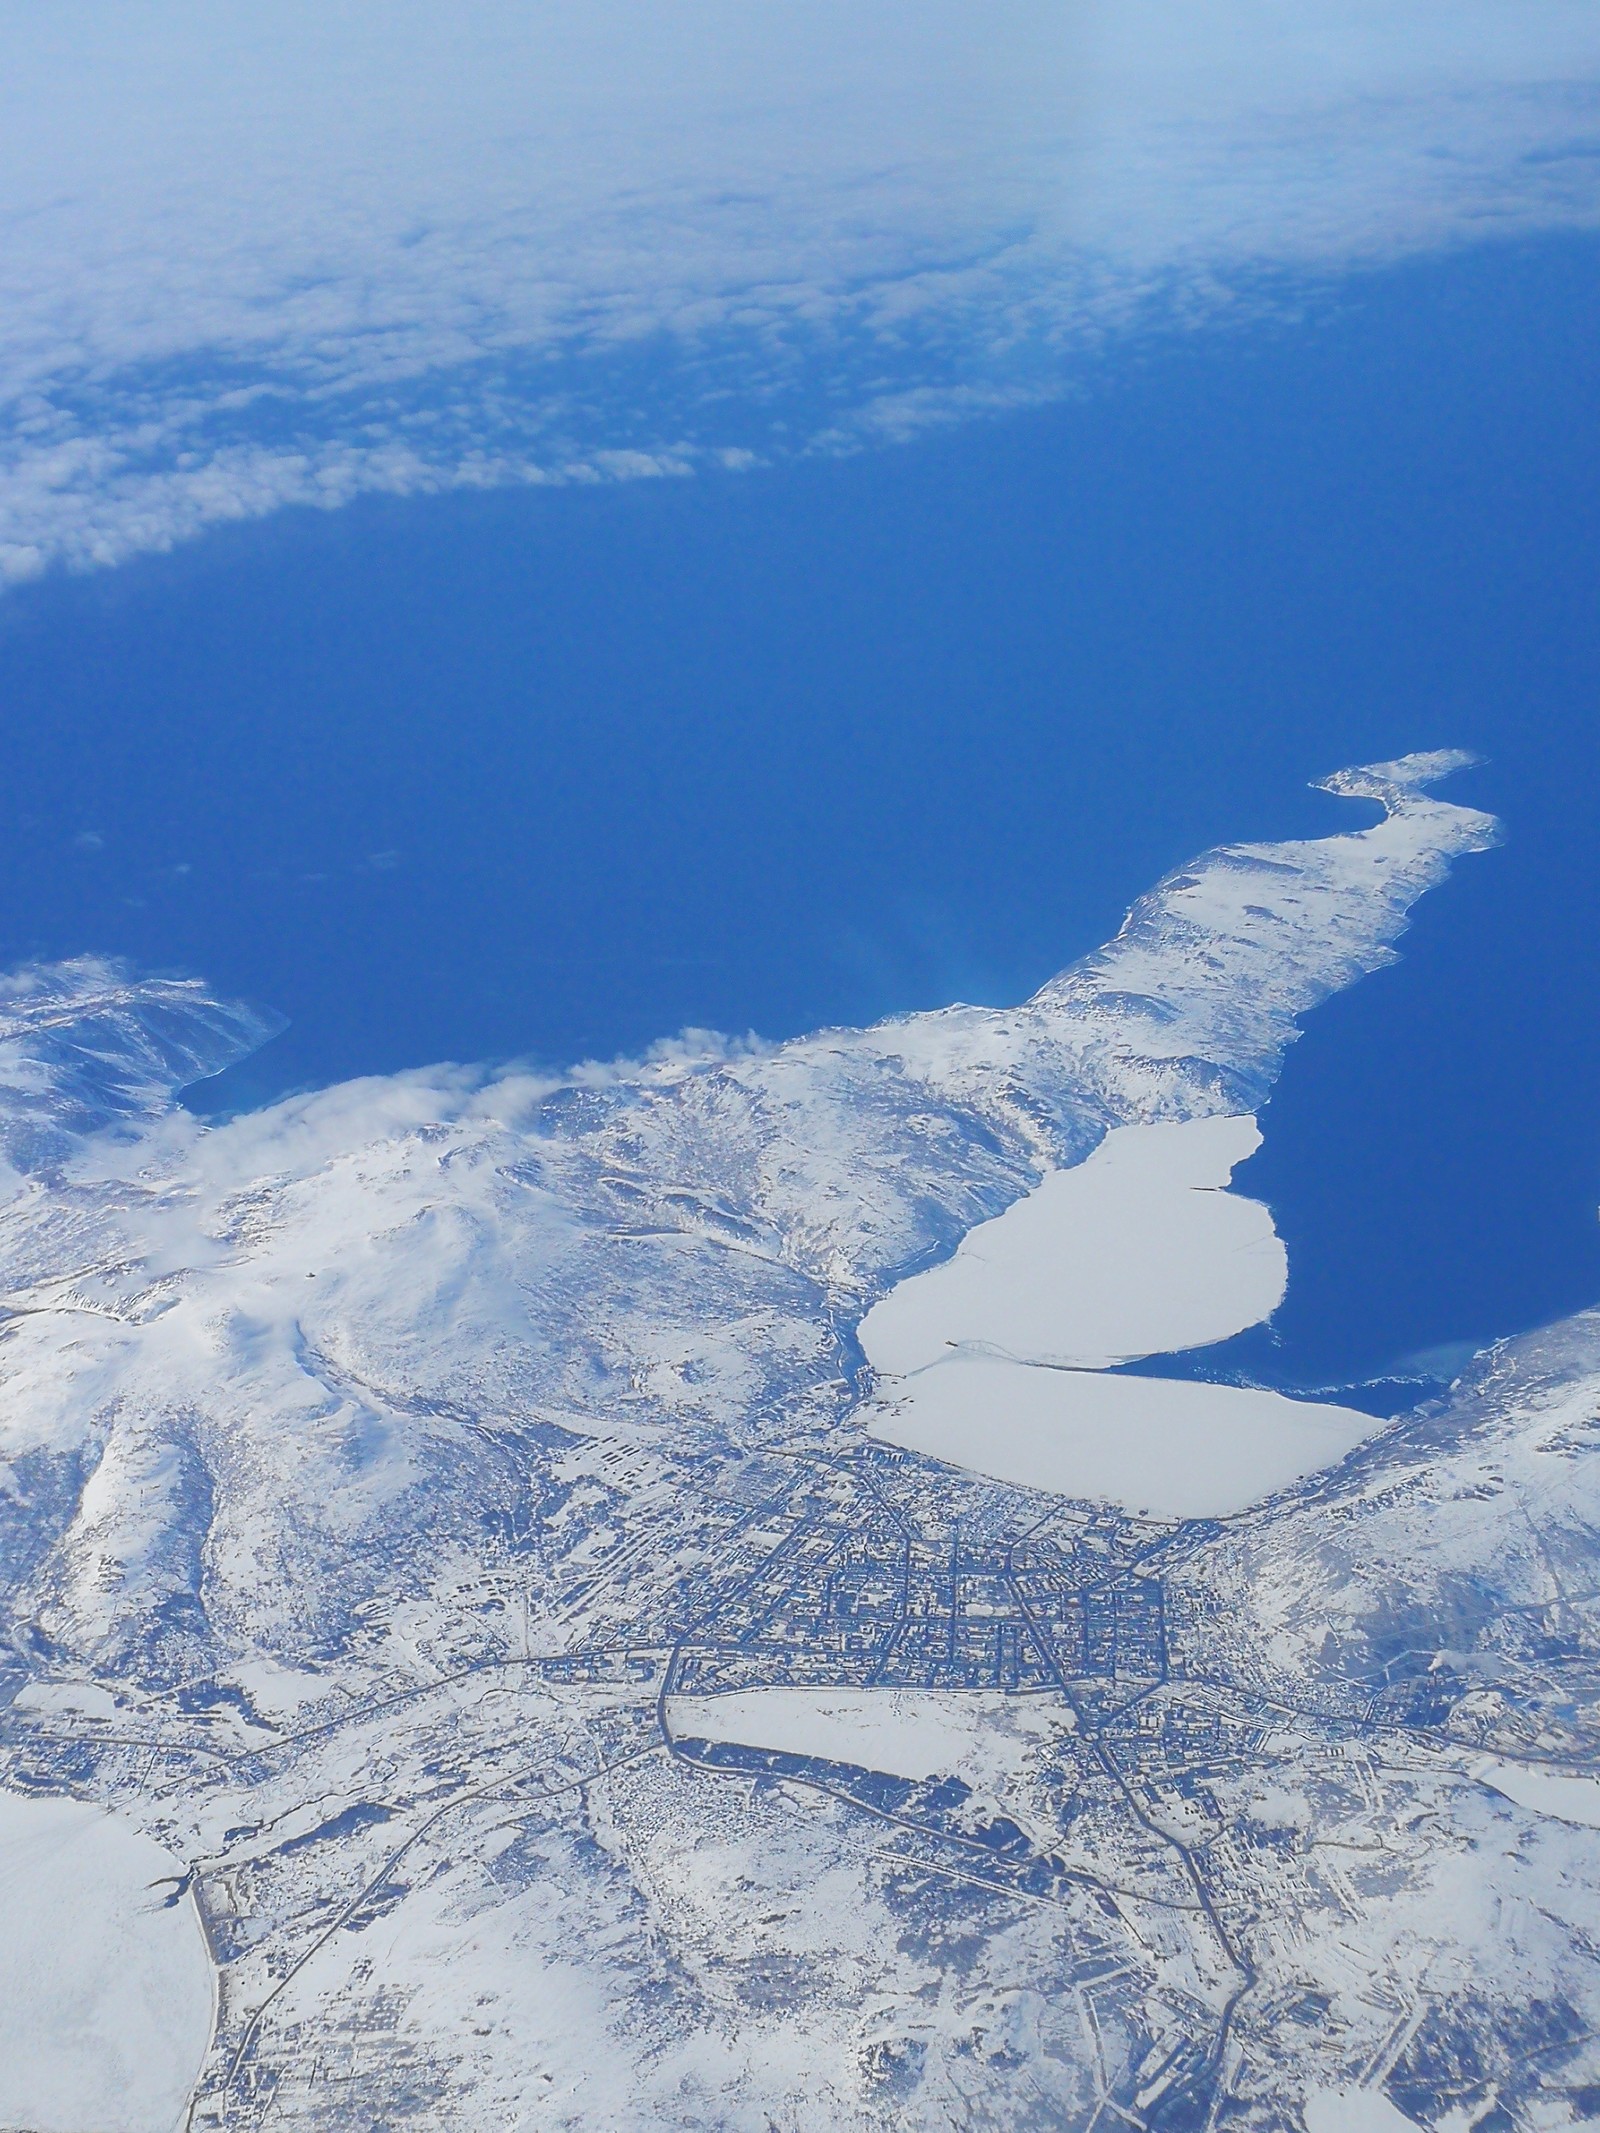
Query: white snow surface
105,1983
1137,1251
1158,1447
981,1737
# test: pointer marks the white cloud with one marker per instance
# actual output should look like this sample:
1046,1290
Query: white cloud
256,255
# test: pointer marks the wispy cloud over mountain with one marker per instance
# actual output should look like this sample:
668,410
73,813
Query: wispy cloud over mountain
287,255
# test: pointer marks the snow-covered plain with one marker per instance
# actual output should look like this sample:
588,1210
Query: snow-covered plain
377,1470
105,1981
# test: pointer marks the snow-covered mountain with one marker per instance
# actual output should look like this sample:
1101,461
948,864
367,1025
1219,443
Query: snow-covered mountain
447,1515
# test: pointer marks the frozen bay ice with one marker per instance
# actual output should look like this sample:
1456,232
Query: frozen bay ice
980,1736
1354,2110
1569,1796
105,1981
994,1359
1137,1251
1158,1447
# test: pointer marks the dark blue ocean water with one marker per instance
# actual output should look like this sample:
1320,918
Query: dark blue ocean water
555,774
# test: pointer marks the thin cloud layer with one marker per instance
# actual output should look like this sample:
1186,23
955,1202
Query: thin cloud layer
287,255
